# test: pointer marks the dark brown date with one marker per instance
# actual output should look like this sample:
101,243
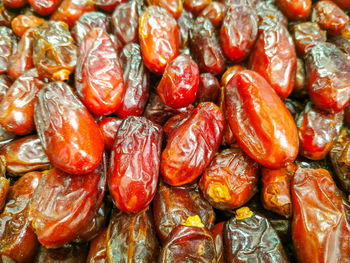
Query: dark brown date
7,47
98,248
208,88
4,190
173,205
216,232
185,23
131,238
70,253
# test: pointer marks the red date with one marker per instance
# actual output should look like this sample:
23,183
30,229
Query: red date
208,88
216,232
174,7
295,9
15,3
109,127
7,47
214,12
267,10
44,7
175,122
98,247
196,6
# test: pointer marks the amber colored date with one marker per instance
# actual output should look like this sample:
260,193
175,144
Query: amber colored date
274,57
328,71
134,164
215,12
69,135
239,31
216,232
186,242
263,126
276,190
98,248
44,7
136,81
109,5
267,10
5,84
70,11
70,253
4,190
317,131
131,238
20,24
99,77
295,9
64,204
17,106
172,206
174,7
6,15
208,88
7,47
17,239
22,59
109,127
249,236
196,6
230,180
24,155
54,52
320,230
179,83
193,145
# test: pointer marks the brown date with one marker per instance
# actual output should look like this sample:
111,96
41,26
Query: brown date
172,206
193,145
189,244
17,239
216,232
87,22
276,190
206,50
17,106
263,126
69,135
215,12
345,4
4,190
196,6
136,81
300,84
109,127
159,38
174,7
228,138
44,7
6,15
328,71
268,10
70,253
230,180
342,43
250,237
134,164
54,52
131,238
317,131
208,88
109,5
274,57
239,31
20,24
320,230
185,23
98,247
295,9
64,204
22,59
5,84
99,77
8,45
24,155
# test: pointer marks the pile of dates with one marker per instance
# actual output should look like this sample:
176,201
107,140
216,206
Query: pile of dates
175,131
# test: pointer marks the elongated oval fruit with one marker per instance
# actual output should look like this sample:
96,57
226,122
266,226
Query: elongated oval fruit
262,124
69,134
193,145
134,165
99,78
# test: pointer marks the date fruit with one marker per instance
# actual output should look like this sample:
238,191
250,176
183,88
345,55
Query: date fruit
20,24
109,127
7,47
295,9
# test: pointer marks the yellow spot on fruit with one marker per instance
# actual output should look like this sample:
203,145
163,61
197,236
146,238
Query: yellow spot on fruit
243,213
193,221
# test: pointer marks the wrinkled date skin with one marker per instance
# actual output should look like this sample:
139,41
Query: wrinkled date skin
274,57
306,36
320,230
5,84
263,126
6,16
268,10
24,155
109,127
342,43
238,31
99,77
174,122
172,206
22,59
7,47
17,239
134,164
328,71
179,83
300,85
98,248
196,6
70,253
230,180
125,22
131,238
136,81
174,7
68,133
54,52
216,232
159,38
214,12
295,9
109,5
208,88
340,158
4,190
87,22
44,7
185,23
189,244
64,204
193,145
329,17
317,131
20,24
17,106
276,190
252,239
206,50
70,11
